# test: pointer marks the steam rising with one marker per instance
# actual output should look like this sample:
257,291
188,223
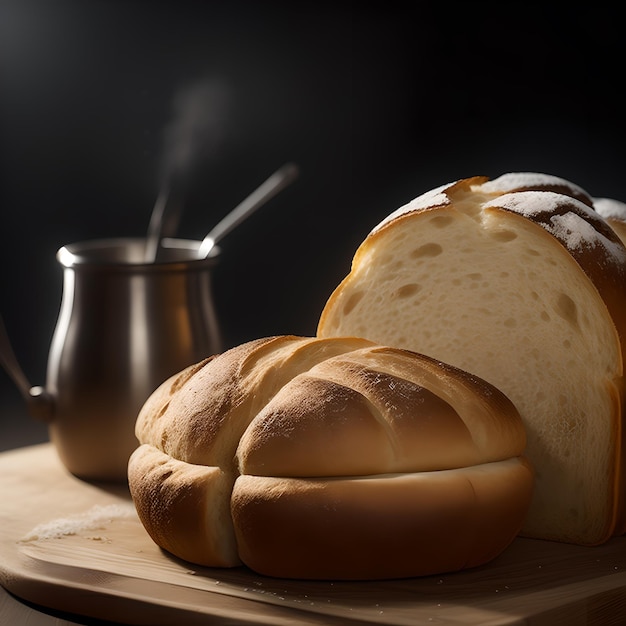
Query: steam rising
194,134
195,131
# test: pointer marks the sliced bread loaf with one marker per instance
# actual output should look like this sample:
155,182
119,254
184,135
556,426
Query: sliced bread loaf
519,281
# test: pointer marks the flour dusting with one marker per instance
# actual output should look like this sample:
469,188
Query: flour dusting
432,198
574,229
92,519
527,181
609,208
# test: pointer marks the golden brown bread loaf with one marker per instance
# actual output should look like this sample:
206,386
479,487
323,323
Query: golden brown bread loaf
521,282
330,459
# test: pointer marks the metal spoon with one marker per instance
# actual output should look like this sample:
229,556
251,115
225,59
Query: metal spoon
163,222
275,183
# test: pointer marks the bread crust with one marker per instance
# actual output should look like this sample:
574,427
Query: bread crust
221,395
391,526
614,212
184,507
340,419
513,182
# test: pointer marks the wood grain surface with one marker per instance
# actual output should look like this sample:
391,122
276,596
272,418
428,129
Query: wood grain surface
79,547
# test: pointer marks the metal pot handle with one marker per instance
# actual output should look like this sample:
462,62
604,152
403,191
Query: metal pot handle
39,401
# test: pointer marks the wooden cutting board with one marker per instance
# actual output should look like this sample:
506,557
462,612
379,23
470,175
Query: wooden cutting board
74,546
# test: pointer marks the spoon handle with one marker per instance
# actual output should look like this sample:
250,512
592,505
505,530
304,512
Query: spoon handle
275,183
163,222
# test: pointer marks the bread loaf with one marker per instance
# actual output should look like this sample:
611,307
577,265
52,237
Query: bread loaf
521,282
614,212
330,459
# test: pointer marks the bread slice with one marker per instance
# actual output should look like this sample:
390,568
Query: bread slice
614,212
519,281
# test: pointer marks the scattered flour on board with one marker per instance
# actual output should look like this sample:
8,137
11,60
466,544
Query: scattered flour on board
92,519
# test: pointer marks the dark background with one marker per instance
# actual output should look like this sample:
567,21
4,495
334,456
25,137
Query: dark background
376,105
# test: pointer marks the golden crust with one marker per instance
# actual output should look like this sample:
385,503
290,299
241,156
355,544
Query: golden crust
390,526
340,419
184,507
331,409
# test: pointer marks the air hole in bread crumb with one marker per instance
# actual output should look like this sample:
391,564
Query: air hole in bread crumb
544,316
504,235
427,250
406,291
398,238
532,252
510,322
441,221
567,309
352,302
475,276
163,409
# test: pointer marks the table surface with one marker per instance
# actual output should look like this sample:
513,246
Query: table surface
15,612
538,583
19,430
